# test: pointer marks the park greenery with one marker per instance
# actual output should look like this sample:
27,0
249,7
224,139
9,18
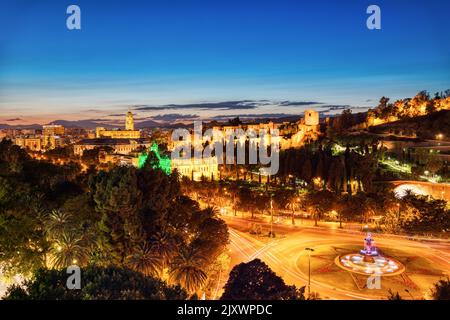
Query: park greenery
53,216
346,184
413,214
102,283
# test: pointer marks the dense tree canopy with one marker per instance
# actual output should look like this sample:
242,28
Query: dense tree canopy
317,165
53,216
419,214
256,281
110,283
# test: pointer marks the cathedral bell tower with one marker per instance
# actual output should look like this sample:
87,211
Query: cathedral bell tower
129,122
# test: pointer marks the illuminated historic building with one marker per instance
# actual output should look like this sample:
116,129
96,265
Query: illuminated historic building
306,129
119,146
290,135
195,169
129,122
192,168
128,133
311,118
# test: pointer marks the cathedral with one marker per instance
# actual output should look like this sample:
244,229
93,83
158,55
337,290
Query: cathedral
123,141
128,133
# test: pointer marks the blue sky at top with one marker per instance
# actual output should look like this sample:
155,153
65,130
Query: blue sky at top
160,51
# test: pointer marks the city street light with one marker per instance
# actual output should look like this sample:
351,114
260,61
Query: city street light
309,270
406,290
271,217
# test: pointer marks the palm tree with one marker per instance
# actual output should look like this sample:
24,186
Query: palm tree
164,244
146,260
210,212
69,249
58,222
186,270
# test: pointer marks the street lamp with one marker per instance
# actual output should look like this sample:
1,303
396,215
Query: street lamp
309,270
271,217
293,211
406,290
301,220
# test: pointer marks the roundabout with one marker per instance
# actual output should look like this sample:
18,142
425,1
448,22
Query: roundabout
339,267
416,265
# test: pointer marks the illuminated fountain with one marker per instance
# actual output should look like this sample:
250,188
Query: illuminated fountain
369,261
369,250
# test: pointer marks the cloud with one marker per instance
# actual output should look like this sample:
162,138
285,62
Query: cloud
174,116
13,119
225,105
117,115
298,103
252,116
334,107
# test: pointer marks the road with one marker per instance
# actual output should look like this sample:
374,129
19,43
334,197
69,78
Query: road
282,254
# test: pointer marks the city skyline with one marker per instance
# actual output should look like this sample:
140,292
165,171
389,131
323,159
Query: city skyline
234,152
158,54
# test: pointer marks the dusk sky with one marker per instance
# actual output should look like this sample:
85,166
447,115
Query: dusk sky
153,53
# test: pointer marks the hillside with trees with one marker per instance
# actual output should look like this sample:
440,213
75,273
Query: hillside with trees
427,126
422,115
421,104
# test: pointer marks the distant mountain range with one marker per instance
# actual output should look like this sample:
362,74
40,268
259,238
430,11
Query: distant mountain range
149,124
86,124
20,126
